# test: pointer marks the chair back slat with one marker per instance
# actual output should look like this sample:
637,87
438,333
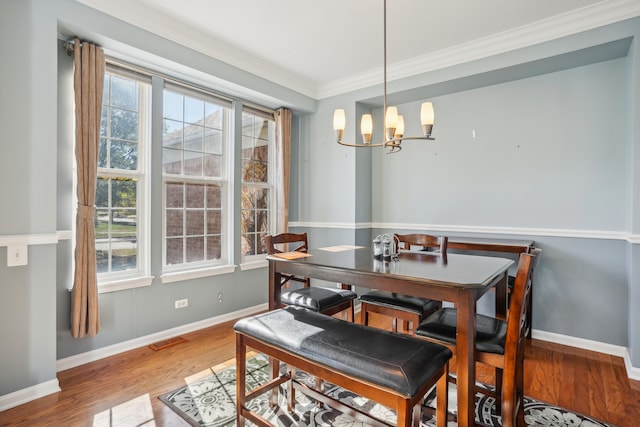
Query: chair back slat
287,242
425,241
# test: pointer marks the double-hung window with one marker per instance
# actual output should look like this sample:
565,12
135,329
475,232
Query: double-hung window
196,194
258,195
195,141
121,191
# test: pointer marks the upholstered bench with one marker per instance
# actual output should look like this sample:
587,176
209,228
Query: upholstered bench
393,370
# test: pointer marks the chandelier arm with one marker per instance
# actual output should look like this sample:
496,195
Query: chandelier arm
394,142
405,138
347,144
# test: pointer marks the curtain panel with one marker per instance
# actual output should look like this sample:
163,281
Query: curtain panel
89,69
282,118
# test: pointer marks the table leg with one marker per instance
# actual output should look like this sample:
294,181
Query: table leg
275,302
465,359
275,287
502,292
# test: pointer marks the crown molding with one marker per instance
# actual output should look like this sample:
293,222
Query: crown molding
169,28
586,18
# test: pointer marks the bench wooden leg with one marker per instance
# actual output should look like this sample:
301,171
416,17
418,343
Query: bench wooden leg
275,373
291,391
442,398
417,414
241,378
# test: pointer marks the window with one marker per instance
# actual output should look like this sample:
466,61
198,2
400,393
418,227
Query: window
195,193
120,218
195,179
258,139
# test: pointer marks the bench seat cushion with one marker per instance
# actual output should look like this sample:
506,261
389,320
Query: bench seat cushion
394,361
317,298
491,333
400,302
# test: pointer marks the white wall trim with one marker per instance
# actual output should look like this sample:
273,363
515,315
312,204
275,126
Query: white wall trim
573,22
632,372
28,394
28,239
597,346
100,353
343,225
600,347
576,21
550,232
181,276
634,238
54,238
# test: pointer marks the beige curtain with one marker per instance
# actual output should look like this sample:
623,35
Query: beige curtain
88,81
283,161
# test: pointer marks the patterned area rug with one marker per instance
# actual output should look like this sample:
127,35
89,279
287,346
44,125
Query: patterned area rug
208,399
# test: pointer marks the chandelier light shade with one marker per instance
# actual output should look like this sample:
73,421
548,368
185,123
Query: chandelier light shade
366,128
393,122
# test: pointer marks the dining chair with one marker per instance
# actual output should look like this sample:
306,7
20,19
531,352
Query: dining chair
499,343
323,300
409,310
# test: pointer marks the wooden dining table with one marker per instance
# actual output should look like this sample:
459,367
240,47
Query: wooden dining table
458,278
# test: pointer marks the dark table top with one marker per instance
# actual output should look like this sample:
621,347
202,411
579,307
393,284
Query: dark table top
457,270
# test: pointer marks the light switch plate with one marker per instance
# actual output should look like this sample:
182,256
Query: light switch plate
17,255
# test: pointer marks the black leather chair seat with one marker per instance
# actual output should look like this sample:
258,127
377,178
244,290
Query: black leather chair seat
317,298
398,301
395,361
441,325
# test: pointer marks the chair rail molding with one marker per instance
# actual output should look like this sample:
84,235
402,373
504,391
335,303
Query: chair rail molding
444,228
29,239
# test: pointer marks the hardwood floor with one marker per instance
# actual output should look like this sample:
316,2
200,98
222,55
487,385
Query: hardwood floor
590,383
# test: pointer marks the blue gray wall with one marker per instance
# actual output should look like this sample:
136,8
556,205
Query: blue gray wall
556,159
35,169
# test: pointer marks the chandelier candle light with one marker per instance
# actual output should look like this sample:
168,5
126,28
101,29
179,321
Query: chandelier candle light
393,122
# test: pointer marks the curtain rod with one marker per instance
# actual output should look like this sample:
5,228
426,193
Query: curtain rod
70,44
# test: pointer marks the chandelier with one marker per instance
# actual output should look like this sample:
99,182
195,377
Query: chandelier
393,122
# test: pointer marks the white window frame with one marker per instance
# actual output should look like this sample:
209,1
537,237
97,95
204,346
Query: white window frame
197,269
249,262
119,280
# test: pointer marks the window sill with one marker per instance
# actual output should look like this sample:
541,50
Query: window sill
120,285
252,265
196,274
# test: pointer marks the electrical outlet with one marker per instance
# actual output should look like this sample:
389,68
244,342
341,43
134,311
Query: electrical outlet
17,255
182,303
219,296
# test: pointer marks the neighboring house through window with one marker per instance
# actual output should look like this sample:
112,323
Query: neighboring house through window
196,198
195,175
258,140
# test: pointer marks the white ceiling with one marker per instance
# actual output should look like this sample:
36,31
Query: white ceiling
314,46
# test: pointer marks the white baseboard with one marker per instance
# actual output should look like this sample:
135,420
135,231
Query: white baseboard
28,394
600,347
40,390
93,355
632,372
